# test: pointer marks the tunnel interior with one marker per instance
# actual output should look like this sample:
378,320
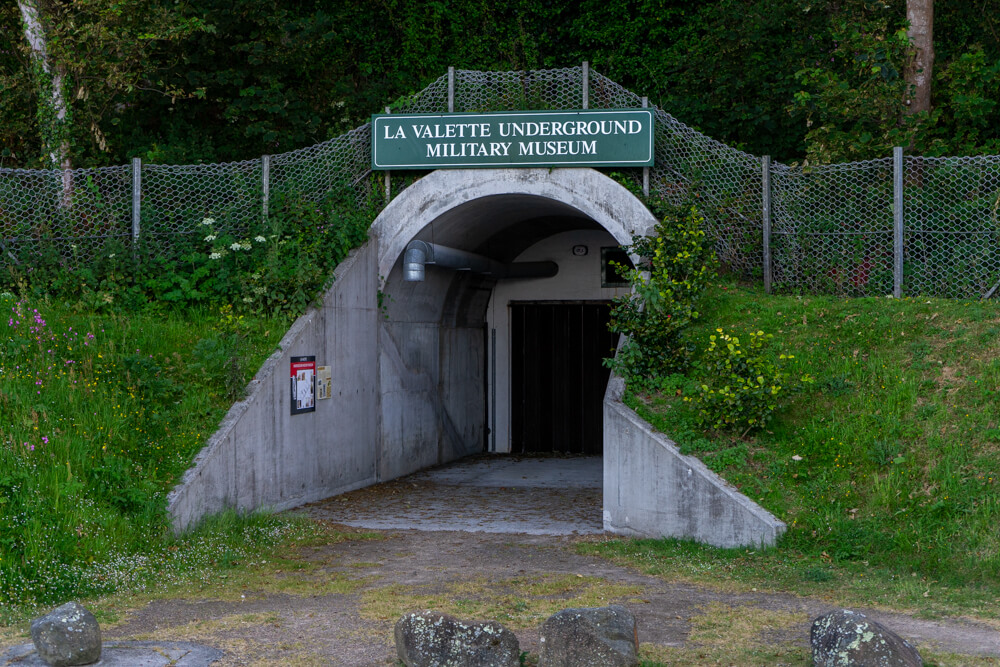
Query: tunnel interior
471,363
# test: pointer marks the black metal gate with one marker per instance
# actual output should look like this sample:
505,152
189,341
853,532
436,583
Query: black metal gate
557,378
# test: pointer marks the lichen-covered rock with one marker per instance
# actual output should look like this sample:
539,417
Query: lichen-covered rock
67,635
590,637
432,639
849,639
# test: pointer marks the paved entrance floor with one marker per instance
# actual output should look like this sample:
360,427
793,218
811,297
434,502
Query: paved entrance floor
488,494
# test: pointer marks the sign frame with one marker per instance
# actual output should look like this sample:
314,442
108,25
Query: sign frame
447,137
303,384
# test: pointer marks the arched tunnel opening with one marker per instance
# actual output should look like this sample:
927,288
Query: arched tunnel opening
483,358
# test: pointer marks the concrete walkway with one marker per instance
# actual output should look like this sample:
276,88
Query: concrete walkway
489,494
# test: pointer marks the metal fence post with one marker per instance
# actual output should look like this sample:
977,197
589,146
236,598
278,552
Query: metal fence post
136,198
897,227
766,192
645,170
265,181
388,177
451,90
586,84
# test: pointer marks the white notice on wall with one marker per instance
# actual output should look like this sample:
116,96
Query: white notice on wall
324,382
303,384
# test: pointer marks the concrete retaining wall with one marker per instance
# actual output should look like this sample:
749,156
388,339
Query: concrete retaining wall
652,490
262,456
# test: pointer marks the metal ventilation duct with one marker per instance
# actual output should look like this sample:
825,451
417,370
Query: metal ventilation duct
420,253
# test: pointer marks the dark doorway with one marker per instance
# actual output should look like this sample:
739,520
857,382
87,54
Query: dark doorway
557,378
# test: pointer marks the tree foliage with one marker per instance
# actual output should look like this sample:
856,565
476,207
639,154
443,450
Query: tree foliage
207,80
855,105
110,54
18,101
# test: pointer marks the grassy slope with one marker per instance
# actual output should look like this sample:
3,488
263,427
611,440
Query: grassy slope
895,498
100,414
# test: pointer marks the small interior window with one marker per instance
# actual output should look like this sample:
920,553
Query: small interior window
610,277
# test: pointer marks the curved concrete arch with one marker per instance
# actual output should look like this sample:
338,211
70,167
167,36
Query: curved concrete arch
589,192
408,379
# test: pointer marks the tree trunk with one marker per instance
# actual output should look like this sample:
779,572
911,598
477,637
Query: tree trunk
53,113
920,14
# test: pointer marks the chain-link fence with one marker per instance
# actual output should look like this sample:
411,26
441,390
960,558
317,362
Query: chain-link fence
891,226
951,238
901,225
832,228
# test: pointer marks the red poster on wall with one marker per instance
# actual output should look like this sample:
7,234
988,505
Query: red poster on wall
303,378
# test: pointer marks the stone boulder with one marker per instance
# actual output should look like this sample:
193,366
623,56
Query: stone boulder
432,639
67,635
849,639
591,637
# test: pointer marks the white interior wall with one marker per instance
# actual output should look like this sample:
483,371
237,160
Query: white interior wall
579,279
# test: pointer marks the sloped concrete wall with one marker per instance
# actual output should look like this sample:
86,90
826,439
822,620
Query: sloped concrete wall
262,456
652,490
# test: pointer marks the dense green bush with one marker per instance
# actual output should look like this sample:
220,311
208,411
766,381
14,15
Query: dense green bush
742,383
676,266
732,385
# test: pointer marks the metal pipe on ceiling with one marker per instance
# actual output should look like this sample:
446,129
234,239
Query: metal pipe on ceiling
420,253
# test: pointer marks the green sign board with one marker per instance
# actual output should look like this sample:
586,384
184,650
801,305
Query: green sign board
605,138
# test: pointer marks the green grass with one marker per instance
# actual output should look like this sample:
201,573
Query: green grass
224,554
889,463
100,414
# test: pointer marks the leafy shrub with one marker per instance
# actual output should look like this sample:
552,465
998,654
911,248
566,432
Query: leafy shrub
679,263
277,265
742,383
966,114
856,107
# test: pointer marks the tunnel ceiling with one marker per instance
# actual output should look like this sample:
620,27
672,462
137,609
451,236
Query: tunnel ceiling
503,226
500,227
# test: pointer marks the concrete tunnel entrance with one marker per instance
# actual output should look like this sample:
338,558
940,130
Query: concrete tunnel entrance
427,378
475,360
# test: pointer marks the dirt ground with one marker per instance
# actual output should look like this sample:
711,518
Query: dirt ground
496,540
522,577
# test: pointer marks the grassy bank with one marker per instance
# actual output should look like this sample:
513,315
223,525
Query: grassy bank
101,414
886,469
116,369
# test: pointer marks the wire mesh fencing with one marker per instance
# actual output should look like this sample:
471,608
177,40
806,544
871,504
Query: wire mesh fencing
40,221
897,225
833,228
952,233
